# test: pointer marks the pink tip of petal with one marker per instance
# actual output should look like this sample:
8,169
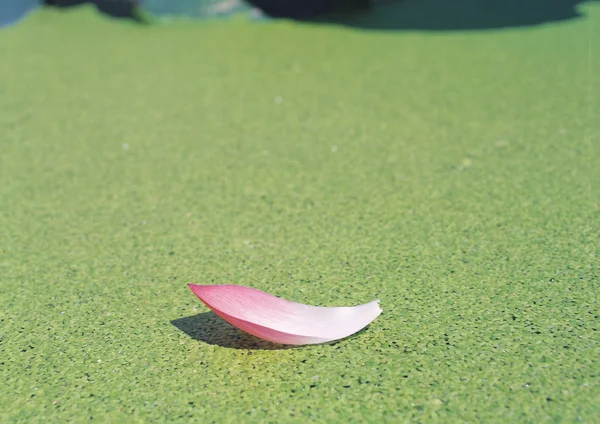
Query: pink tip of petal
282,321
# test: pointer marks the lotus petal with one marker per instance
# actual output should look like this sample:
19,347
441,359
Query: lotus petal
282,321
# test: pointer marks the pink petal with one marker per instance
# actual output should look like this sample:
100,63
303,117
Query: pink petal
282,321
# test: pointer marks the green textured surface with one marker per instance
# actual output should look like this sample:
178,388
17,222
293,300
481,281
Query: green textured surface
453,175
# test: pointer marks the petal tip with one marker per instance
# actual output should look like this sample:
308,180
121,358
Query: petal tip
195,287
198,290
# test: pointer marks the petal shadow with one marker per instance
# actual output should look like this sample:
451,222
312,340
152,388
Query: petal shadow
211,329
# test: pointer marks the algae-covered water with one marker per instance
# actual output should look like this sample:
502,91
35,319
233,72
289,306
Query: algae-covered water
453,174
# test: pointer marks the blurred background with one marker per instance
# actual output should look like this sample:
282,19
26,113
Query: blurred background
375,14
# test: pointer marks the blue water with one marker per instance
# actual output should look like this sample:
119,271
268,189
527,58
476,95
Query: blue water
12,11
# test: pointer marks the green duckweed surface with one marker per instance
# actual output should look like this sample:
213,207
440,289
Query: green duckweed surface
452,174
